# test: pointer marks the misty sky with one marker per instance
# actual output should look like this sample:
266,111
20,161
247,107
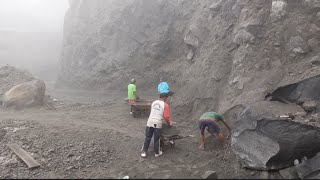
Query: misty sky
32,15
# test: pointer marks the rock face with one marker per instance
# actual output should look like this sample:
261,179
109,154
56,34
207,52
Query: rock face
198,46
25,95
264,141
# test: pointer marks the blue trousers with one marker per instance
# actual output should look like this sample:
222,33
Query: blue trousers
150,131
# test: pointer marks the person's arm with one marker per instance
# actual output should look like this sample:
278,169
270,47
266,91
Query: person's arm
166,114
135,92
159,88
227,125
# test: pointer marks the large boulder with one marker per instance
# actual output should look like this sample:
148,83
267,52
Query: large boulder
263,141
11,76
26,94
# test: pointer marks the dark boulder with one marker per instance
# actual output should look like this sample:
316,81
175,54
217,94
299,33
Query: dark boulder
263,141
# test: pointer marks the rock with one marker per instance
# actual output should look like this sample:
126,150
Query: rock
195,173
309,169
305,90
297,45
278,9
51,151
289,173
190,55
309,105
243,37
264,175
26,94
70,154
215,6
70,167
45,154
264,64
262,141
210,175
191,39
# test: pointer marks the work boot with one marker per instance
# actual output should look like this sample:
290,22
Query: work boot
157,155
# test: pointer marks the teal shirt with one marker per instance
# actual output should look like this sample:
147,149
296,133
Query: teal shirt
212,116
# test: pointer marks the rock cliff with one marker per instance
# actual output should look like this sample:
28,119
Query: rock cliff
215,54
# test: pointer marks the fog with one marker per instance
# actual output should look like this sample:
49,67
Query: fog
31,34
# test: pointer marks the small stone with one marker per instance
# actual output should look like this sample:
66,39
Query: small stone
45,154
195,173
210,175
296,162
70,154
78,158
70,167
51,151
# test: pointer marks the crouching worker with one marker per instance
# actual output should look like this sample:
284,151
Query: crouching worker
210,121
159,111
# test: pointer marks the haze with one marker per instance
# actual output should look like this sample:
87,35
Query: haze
31,35
32,15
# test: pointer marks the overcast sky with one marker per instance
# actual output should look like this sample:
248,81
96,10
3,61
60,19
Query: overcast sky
32,15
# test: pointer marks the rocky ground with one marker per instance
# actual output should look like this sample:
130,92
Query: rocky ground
92,135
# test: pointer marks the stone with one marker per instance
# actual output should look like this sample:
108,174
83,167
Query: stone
309,169
261,142
299,92
191,39
26,94
278,9
70,167
210,175
289,173
264,175
309,105
297,45
190,55
243,37
215,6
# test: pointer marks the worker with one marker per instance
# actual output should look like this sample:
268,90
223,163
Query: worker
132,94
163,87
159,111
210,121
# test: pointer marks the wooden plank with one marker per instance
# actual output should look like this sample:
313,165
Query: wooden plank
24,155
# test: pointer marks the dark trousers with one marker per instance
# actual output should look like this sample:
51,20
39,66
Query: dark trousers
150,131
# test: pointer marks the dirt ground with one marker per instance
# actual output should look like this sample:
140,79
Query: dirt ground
92,135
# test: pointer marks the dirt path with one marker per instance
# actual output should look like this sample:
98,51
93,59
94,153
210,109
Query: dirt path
92,135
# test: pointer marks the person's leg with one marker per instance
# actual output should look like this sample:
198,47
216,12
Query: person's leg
202,127
215,131
149,133
157,140
131,102
221,138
